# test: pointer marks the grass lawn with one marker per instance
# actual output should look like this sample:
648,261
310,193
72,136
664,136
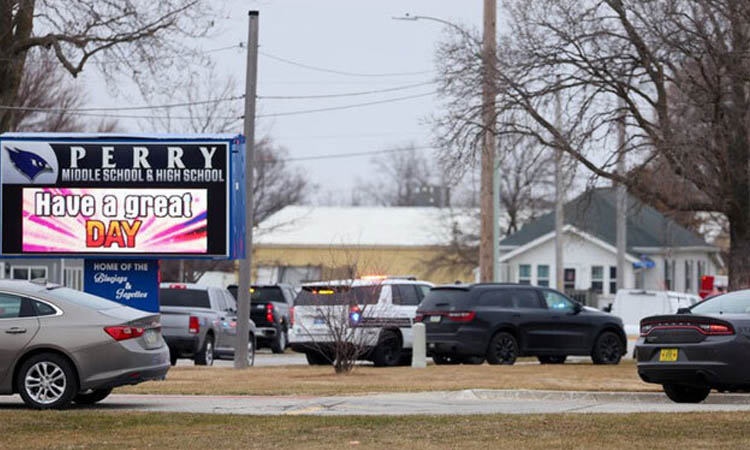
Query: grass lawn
315,380
127,430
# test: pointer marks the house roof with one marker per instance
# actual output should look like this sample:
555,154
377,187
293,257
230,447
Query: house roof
361,226
595,212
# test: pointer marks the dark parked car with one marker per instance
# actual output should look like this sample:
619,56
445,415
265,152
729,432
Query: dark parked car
500,322
703,348
271,311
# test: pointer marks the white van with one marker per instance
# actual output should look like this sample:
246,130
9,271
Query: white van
632,305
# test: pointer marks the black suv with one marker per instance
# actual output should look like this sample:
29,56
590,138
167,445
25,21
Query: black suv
271,310
500,322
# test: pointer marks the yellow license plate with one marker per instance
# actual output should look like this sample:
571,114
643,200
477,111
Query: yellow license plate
668,355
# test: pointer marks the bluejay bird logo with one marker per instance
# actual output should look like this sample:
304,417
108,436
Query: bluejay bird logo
29,164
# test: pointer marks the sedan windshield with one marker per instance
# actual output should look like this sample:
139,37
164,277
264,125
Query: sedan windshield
732,303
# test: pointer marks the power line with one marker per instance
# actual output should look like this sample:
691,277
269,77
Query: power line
120,108
356,154
91,112
338,108
348,94
341,72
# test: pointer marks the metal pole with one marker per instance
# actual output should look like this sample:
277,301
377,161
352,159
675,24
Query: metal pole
621,193
243,294
559,200
496,221
487,206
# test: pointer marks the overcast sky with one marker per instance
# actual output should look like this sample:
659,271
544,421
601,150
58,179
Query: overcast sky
354,36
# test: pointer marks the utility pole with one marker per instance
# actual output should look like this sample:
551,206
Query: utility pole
243,294
621,193
486,203
559,198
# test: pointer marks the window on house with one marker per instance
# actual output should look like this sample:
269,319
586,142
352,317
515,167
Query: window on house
28,272
689,276
569,279
524,274
542,275
612,279
597,279
701,271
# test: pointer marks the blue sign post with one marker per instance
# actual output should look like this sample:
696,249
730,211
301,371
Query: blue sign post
133,283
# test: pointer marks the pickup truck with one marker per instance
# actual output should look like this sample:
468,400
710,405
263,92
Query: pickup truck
200,323
271,309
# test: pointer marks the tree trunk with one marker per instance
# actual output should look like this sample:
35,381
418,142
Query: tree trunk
739,251
15,27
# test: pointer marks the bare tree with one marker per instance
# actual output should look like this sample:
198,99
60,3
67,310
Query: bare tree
681,68
45,86
135,38
397,177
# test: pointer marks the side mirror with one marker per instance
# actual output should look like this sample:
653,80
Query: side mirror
577,308
683,310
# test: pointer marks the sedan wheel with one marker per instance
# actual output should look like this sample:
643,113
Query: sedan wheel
607,349
47,381
503,349
686,394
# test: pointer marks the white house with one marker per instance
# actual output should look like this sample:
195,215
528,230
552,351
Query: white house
661,254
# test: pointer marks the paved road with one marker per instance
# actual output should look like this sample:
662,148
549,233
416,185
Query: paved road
456,402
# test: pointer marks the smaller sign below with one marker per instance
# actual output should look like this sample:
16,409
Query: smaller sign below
132,283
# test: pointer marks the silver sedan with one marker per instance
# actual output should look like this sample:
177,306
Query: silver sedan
58,345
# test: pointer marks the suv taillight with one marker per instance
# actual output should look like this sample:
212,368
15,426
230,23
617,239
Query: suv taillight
194,325
291,316
419,317
123,333
269,312
461,316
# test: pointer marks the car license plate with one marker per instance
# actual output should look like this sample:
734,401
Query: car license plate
319,321
150,337
435,319
668,355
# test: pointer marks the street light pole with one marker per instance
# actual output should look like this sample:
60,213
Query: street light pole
243,293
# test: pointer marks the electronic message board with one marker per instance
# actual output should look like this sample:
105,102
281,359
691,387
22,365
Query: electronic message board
126,197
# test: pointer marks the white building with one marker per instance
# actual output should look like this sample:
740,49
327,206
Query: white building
661,254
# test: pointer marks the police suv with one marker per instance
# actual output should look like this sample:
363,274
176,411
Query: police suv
371,316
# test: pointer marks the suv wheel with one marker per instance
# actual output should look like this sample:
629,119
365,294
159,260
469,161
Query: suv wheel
317,359
47,381
388,351
607,349
686,394
91,396
279,343
503,349
553,359
205,357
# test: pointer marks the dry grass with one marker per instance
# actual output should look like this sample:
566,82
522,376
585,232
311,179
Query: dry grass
303,380
128,430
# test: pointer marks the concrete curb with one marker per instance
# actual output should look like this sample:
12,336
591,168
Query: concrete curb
587,396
